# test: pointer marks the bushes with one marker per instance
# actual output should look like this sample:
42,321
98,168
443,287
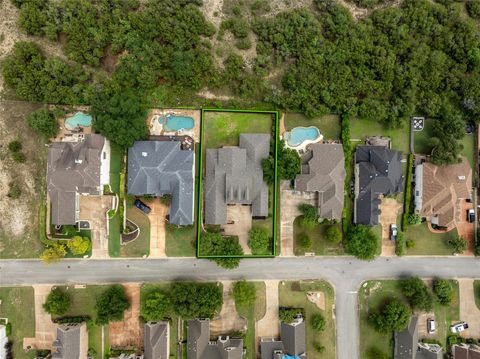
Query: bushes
317,322
53,253
473,8
259,241
408,193
196,300
362,242
394,316
214,244
79,245
244,294
417,293
15,146
288,164
304,241
458,244
309,215
443,291
111,304
57,302
400,244
288,315
43,122
333,234
155,306
14,190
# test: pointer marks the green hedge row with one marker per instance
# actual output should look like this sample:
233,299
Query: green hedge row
347,151
408,193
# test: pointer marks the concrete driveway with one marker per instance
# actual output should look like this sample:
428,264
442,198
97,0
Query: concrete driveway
468,309
269,325
228,320
390,209
157,218
465,229
94,209
289,202
45,329
241,216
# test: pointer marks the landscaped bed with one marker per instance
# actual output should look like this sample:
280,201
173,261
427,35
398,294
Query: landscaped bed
18,307
294,294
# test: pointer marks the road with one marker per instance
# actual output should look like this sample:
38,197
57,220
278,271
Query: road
344,273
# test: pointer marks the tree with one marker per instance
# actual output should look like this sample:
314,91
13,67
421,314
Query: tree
79,245
417,293
155,306
57,302
54,253
458,244
333,234
288,164
473,8
414,218
304,241
361,242
288,315
43,121
244,294
111,304
214,244
443,291
259,241
394,316
196,300
317,322
309,215
120,116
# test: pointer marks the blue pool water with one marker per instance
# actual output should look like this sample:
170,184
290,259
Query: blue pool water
77,120
176,123
300,134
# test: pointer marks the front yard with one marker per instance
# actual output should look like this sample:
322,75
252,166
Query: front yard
294,294
18,306
374,293
140,246
427,242
320,246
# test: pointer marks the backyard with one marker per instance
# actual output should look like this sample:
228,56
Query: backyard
329,125
294,294
252,314
83,301
320,246
17,305
427,242
374,293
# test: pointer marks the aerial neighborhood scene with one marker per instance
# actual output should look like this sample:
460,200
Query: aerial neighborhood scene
240,179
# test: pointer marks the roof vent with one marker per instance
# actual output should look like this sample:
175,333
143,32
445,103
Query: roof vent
144,154
461,178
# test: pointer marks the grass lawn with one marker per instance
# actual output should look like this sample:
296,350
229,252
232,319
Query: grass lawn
320,246
359,129
428,243
252,314
140,246
422,142
223,128
329,125
294,294
374,293
114,223
18,306
83,303
476,289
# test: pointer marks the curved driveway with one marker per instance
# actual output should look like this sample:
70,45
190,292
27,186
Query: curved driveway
346,274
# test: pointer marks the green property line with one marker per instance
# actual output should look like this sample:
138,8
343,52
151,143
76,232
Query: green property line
200,184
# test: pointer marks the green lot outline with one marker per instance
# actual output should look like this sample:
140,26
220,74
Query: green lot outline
200,185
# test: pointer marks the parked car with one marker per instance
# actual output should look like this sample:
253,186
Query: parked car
393,232
431,326
471,215
459,327
142,206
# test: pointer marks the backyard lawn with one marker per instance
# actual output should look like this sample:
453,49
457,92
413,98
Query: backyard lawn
252,314
141,245
294,294
320,246
329,125
359,129
476,289
83,303
374,293
428,243
18,307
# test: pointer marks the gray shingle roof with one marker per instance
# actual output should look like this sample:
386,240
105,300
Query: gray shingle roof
73,168
324,172
378,170
161,167
293,342
156,340
199,345
406,341
233,175
68,342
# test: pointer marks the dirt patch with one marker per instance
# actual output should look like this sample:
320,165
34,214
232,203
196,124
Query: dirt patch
129,332
318,298
228,321
19,217
360,12
390,209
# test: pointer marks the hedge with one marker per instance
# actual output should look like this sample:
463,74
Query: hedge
408,193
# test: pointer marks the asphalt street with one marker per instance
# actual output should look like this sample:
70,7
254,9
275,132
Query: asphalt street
344,273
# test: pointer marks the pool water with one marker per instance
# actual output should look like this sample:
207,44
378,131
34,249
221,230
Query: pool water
78,120
176,123
298,135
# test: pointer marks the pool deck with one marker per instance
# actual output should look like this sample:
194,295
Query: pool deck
156,129
303,145
64,134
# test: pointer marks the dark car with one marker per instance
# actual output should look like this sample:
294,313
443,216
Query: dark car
469,128
142,206
471,215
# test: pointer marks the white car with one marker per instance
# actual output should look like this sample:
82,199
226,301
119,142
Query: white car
393,232
459,327
431,326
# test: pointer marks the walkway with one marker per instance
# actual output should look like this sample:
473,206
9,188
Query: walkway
94,209
469,311
228,321
157,218
45,329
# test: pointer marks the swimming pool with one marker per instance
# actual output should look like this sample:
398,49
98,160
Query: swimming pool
298,135
176,123
77,120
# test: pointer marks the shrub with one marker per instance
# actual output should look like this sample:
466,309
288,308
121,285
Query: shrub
14,190
244,293
196,300
19,157
458,244
394,316
473,8
8,329
43,122
410,243
400,244
408,193
259,241
318,347
333,234
54,253
111,304
155,306
414,218
417,293
58,302
304,241
243,44
362,242
376,353
309,215
443,290
79,245
318,322
15,146
288,315
214,244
